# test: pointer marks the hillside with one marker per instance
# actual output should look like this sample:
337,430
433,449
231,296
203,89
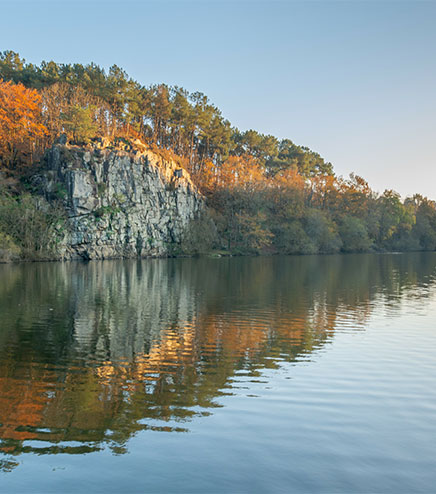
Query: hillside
263,195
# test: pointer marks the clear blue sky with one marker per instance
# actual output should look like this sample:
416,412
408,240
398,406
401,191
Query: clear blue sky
355,81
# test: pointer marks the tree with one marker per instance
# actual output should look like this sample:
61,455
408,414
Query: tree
354,235
424,231
11,66
79,122
393,217
307,162
20,124
322,231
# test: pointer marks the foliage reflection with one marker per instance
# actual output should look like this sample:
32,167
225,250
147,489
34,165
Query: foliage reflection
92,353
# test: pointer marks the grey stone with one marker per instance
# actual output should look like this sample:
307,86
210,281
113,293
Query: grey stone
120,204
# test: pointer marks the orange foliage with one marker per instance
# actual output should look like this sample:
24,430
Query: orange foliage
242,172
324,191
288,178
20,123
237,171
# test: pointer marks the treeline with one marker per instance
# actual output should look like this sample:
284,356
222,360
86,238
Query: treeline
85,100
328,215
265,195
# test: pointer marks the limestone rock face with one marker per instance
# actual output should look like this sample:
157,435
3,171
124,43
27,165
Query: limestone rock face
119,204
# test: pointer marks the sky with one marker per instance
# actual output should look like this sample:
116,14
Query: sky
352,80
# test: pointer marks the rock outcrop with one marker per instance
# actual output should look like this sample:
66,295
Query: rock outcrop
119,203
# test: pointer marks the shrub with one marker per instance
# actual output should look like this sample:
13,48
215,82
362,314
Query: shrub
290,238
200,236
322,231
354,235
8,249
32,224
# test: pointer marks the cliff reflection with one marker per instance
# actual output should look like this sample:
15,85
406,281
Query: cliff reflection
92,353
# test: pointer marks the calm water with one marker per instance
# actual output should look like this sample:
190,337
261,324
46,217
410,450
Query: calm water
291,374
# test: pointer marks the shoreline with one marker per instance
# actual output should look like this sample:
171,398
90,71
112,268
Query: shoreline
212,255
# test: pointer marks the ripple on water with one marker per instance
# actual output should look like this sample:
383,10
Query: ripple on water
312,374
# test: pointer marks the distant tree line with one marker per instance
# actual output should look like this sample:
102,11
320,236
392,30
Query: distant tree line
265,195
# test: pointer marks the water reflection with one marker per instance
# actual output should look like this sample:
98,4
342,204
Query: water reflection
92,353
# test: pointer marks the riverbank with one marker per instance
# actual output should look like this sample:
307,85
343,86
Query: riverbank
12,258
96,171
120,199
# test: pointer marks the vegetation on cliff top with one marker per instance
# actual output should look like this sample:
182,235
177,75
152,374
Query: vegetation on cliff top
265,195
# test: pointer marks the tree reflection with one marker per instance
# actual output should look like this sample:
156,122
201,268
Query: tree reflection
92,353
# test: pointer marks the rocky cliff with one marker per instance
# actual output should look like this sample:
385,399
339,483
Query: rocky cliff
120,202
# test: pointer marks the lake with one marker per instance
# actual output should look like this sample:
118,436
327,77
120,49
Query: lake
265,374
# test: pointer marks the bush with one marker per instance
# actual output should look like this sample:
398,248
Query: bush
8,249
322,231
354,235
31,224
200,236
406,242
424,232
254,235
290,238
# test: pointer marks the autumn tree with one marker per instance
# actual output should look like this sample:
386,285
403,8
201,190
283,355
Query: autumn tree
20,124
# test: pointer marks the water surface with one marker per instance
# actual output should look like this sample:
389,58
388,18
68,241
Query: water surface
281,374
